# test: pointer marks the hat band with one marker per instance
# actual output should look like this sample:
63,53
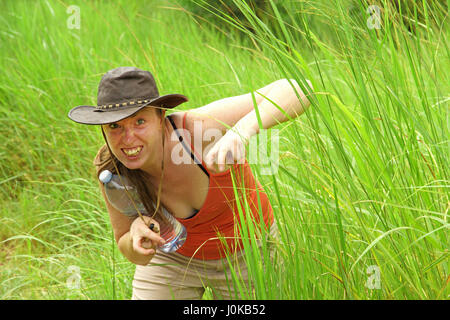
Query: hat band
123,104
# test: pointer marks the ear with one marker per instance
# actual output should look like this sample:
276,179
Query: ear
163,115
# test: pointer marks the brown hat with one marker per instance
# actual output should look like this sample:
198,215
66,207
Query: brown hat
121,93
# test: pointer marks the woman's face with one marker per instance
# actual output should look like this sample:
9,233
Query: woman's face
134,140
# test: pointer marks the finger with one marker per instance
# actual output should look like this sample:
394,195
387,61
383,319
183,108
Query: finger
154,237
240,154
229,157
210,158
147,244
148,234
138,247
221,158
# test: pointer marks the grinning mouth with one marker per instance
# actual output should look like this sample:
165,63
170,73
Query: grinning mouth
131,152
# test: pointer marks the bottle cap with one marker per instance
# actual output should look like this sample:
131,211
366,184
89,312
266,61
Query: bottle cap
105,176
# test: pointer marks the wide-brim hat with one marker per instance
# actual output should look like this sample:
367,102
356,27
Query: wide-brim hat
121,93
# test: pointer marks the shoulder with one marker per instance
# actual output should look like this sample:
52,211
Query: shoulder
177,118
188,119
193,119
193,125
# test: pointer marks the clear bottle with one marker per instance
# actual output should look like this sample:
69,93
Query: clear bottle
171,230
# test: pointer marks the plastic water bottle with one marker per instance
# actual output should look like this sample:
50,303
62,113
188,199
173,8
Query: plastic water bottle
171,230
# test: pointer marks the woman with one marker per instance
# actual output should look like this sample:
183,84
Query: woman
145,146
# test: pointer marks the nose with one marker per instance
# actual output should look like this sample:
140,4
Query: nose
128,135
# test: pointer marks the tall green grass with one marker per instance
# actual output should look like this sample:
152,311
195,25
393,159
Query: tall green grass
364,180
363,176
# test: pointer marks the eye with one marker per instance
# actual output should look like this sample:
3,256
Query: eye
113,125
140,121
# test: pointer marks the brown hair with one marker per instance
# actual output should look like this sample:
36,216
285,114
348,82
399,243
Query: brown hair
105,160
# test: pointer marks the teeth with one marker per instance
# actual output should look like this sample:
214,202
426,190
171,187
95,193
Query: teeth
132,152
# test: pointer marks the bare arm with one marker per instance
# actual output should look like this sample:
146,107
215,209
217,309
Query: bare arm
281,104
222,114
134,239
136,253
283,101
227,112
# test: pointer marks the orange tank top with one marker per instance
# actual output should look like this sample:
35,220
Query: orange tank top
218,219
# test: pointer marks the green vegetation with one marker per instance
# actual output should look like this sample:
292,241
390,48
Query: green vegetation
363,178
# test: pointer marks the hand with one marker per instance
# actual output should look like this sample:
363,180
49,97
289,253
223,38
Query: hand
230,149
144,240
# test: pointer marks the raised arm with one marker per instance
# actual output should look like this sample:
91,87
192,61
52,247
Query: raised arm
282,101
225,113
